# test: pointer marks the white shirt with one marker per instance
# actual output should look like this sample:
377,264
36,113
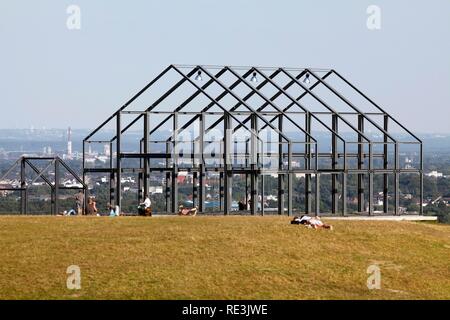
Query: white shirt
147,203
305,218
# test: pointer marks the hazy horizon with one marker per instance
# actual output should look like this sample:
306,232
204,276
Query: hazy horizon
138,131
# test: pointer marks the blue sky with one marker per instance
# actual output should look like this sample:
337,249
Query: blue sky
54,77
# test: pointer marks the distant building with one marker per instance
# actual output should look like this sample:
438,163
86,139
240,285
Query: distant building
156,190
106,150
435,174
4,193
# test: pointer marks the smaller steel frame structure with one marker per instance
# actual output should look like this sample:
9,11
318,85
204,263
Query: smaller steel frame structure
238,100
54,183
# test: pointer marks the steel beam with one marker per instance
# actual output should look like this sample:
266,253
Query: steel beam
396,181
290,176
118,177
317,191
202,174
146,173
253,166
385,167
360,165
227,163
308,189
334,165
281,176
174,179
55,190
370,184
344,193
23,185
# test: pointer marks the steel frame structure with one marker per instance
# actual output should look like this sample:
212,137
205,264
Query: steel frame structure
346,157
56,164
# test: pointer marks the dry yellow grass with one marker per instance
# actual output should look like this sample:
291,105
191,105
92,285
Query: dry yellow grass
220,258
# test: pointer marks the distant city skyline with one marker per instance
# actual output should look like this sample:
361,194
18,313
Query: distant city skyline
55,77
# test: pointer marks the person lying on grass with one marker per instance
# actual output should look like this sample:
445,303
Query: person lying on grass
182,211
311,222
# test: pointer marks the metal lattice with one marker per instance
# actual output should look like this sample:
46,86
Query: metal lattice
282,122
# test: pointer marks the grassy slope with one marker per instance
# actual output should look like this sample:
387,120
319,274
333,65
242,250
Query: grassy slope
220,258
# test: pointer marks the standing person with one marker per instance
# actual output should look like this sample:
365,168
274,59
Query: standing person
79,202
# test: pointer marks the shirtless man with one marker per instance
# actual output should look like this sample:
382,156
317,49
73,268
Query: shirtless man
182,211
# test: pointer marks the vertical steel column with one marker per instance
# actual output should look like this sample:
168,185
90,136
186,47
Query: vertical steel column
281,176
221,204
227,163
202,174
290,174
167,193
396,181
140,174
261,177
167,188
146,174
385,167
308,191
344,193
194,175
334,162
194,189
344,183
246,174
111,178
118,162
140,185
23,185
317,193
253,165
84,178
370,198
56,188
174,189
360,165
421,179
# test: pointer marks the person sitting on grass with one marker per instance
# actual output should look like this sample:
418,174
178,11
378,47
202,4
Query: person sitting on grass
144,208
114,210
311,222
242,205
182,211
91,208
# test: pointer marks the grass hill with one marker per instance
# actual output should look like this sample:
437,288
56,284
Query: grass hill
220,258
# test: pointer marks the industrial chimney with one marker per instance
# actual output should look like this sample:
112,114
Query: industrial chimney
69,143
